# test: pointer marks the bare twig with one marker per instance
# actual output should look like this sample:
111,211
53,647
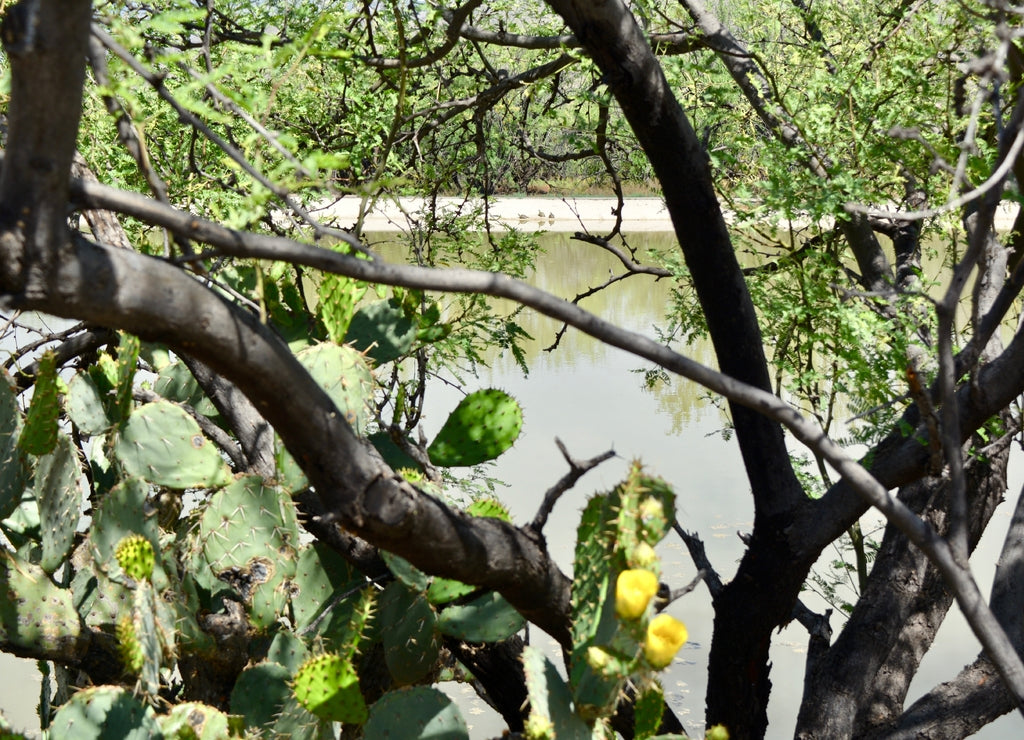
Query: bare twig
577,469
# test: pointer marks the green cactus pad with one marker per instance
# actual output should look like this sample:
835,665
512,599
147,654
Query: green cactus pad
412,642
418,712
382,330
162,444
195,721
246,540
122,513
105,712
405,571
128,646
328,687
488,618
445,590
482,426
39,435
14,470
338,298
344,374
127,361
59,498
287,650
260,693
176,383
550,698
321,576
489,507
136,557
85,406
35,614
648,710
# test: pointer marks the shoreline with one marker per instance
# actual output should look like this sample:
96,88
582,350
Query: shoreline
565,214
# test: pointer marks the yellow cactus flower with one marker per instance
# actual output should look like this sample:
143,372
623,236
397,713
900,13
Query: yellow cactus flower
665,635
633,590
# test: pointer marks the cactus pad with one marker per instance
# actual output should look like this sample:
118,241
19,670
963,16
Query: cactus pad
418,712
488,618
34,613
123,513
482,426
322,576
85,405
246,539
344,375
162,444
128,646
195,721
648,710
176,383
382,330
550,700
136,557
412,641
328,687
104,712
260,693
56,486
13,466
39,435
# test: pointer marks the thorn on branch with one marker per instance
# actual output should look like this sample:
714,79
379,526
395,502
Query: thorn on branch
577,469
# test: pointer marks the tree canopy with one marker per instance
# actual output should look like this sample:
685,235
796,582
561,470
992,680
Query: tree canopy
218,506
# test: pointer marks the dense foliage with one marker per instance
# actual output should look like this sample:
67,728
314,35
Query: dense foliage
217,502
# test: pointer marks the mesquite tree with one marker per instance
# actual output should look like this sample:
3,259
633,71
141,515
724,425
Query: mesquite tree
160,169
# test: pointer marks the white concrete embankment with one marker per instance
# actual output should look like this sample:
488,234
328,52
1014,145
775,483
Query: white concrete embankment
534,213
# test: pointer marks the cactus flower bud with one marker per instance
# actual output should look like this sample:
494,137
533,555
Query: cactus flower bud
598,658
718,732
539,727
665,635
643,556
633,590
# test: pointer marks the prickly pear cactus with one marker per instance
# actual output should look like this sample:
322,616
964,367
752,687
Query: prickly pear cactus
34,613
136,557
105,712
260,693
419,711
39,435
345,375
412,641
320,576
485,424
338,298
162,444
246,541
85,405
648,710
196,721
176,383
328,687
14,470
59,499
382,330
123,514
488,618
617,533
551,709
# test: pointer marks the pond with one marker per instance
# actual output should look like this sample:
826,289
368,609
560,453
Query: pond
589,396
